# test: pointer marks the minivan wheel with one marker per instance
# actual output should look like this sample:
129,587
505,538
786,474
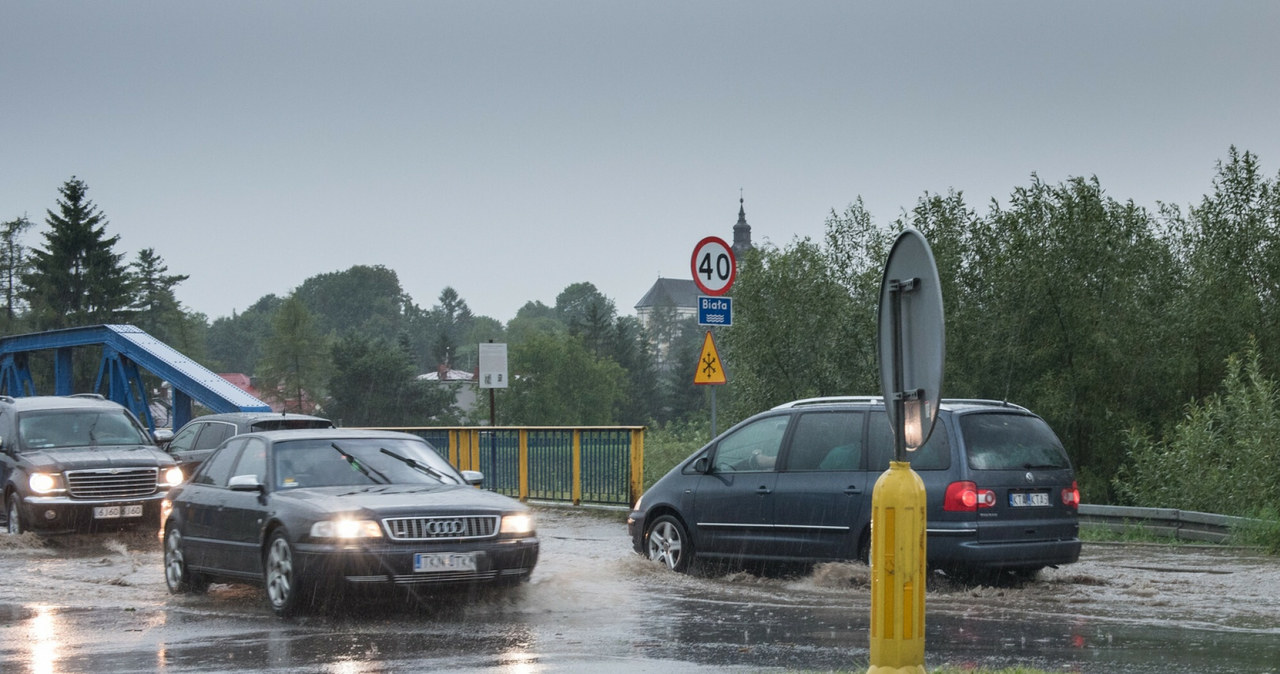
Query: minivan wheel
15,525
669,543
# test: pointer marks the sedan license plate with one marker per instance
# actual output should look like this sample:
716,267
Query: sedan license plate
1025,499
431,562
116,512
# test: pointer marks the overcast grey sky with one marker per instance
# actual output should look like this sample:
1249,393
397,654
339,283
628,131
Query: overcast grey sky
509,149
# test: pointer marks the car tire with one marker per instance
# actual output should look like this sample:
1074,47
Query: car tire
177,575
15,524
668,542
280,577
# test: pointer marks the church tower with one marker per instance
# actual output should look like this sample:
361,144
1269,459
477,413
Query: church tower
741,233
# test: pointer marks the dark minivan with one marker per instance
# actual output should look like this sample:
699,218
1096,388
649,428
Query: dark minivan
795,484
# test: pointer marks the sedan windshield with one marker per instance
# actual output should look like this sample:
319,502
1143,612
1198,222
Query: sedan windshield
78,428
333,462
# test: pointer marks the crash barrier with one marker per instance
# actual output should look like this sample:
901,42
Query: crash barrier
1184,525
577,464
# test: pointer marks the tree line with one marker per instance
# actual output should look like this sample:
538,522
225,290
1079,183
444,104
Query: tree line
1112,321
351,343
1115,322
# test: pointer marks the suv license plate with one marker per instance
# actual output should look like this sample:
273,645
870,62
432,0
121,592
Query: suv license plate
430,562
1024,499
116,512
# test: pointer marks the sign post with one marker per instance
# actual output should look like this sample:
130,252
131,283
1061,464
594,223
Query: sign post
710,371
911,340
714,270
493,375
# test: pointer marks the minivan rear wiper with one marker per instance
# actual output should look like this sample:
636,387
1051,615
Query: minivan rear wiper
420,466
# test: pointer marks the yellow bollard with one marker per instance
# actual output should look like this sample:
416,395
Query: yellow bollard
898,522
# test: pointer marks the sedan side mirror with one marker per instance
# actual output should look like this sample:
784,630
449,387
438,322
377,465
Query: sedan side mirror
245,483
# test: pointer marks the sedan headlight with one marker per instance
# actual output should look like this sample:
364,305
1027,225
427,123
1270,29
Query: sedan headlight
173,476
518,523
44,483
345,528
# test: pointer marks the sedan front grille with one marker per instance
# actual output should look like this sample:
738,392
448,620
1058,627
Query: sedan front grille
112,483
441,528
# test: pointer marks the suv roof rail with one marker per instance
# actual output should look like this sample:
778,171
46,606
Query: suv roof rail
91,396
984,401
829,399
7,399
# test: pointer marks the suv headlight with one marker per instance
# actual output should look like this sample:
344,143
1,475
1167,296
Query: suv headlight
344,528
173,476
45,483
518,523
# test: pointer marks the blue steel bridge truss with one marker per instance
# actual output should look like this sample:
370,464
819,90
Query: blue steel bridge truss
125,349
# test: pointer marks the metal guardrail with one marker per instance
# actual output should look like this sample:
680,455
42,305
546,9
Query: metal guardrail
577,464
1184,525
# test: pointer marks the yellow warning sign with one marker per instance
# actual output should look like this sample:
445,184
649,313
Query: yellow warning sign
710,369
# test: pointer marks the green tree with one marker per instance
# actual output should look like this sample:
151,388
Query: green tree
13,264
532,320
792,336
1223,455
364,299
374,384
235,343
156,308
1228,249
558,381
77,278
294,368
588,314
446,324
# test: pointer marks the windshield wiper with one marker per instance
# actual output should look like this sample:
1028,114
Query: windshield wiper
420,466
360,467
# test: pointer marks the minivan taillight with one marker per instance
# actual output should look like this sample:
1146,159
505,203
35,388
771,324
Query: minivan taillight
1071,497
966,497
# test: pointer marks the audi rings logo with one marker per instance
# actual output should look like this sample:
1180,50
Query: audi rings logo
446,527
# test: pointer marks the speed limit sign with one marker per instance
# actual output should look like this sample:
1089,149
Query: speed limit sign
713,266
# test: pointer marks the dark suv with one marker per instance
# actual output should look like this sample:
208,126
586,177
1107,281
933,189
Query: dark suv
196,440
795,484
78,463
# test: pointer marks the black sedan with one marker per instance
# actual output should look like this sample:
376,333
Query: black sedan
310,513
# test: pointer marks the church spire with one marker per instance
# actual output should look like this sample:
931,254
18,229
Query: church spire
741,231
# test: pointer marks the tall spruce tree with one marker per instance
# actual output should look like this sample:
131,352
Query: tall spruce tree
77,278
13,264
156,304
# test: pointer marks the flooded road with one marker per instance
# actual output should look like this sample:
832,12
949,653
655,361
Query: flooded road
97,604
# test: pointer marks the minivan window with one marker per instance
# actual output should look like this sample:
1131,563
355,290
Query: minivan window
752,447
826,441
935,455
1011,442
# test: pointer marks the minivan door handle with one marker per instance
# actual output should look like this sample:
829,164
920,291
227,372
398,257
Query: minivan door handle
764,491
852,490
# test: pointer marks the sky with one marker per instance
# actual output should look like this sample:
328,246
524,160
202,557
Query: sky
510,149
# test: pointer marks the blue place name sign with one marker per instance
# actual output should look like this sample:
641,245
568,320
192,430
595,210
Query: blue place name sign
715,310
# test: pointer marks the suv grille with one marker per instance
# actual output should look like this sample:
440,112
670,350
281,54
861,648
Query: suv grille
110,484
434,528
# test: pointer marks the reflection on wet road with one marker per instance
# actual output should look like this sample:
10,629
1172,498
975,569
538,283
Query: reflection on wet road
594,606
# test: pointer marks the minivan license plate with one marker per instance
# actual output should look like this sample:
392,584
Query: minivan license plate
116,512
1022,499
430,562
